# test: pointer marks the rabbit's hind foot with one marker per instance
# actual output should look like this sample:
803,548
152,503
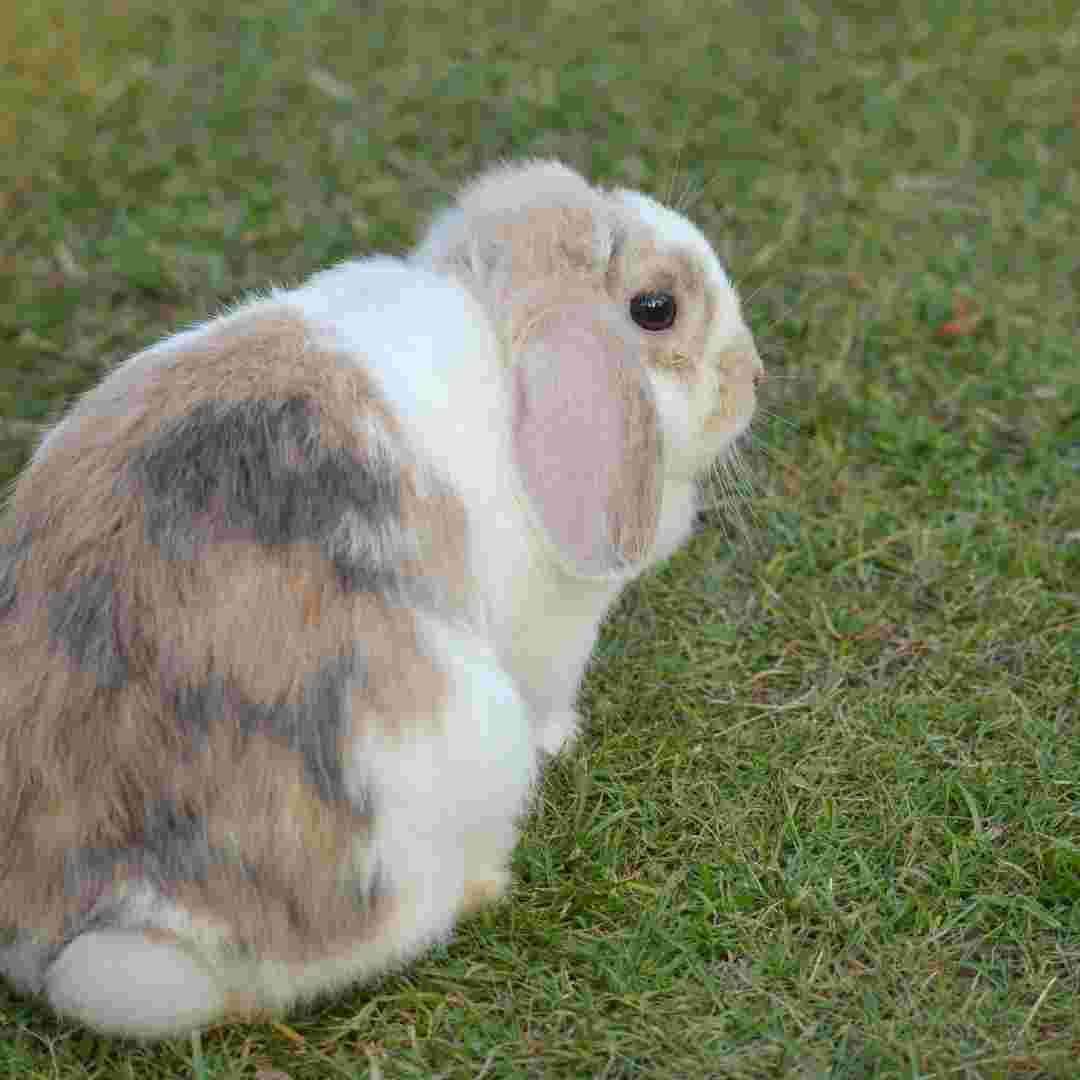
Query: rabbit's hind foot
133,982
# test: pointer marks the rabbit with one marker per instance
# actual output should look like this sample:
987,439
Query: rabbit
295,603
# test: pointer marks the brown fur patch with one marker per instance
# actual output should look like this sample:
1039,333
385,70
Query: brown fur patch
405,687
156,936
739,367
222,654
263,623
551,241
244,1007
479,894
259,353
434,518
541,223
284,884
636,499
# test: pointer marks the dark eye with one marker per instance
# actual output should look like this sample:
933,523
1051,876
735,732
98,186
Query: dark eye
653,310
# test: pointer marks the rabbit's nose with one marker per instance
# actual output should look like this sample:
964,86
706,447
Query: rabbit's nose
743,362
757,368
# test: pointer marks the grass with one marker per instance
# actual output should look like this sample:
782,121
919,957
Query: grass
825,819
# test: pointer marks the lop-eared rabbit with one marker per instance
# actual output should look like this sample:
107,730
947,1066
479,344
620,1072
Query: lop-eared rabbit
293,603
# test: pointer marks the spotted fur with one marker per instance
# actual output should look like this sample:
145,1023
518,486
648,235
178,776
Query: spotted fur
206,614
85,620
12,555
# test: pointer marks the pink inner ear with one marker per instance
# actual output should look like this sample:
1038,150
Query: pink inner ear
585,440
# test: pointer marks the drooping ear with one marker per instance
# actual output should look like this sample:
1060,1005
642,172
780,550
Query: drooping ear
586,440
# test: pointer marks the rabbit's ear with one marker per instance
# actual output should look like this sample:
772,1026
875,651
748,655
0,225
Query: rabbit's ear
586,440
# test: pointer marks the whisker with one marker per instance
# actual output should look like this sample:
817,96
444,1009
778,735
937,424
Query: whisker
746,300
742,468
767,451
688,197
730,491
788,308
750,499
683,139
759,434
740,505
687,203
690,204
675,171
804,297
778,418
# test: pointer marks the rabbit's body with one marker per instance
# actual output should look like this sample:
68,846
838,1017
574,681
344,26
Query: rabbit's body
290,602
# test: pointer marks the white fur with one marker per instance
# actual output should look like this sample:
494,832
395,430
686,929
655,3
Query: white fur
446,806
443,376
120,982
438,360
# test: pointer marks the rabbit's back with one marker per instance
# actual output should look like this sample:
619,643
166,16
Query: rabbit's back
226,571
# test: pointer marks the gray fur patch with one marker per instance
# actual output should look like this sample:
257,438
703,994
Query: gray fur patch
312,727
24,959
11,557
376,890
85,620
365,553
257,470
172,846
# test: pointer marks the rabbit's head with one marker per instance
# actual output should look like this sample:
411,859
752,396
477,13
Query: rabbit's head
630,369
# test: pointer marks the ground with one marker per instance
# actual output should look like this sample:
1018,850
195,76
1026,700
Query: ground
824,816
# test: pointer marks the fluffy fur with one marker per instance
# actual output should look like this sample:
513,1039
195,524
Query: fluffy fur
292,602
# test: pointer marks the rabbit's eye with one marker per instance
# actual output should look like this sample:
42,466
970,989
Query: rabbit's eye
653,310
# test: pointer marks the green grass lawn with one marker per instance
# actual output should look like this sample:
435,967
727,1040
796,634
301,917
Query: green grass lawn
825,817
